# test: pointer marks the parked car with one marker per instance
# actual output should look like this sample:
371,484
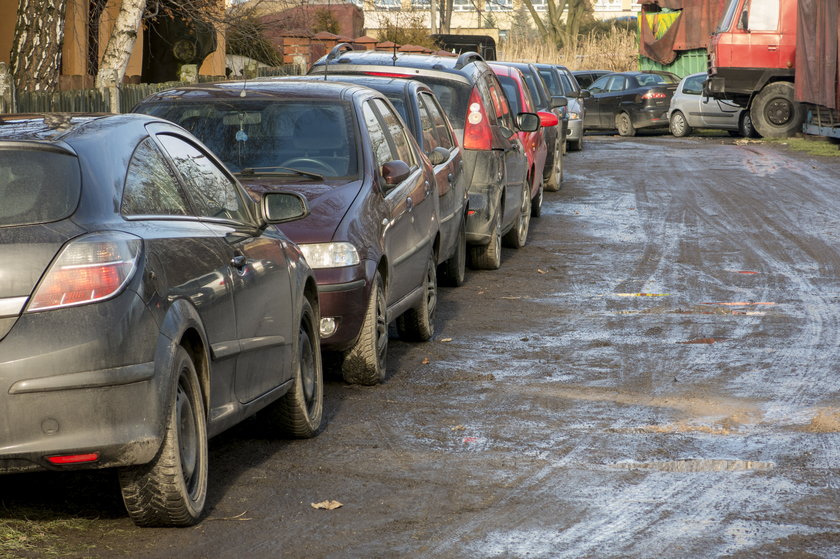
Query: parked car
494,159
419,108
628,101
146,305
519,97
691,109
372,237
585,78
560,81
555,136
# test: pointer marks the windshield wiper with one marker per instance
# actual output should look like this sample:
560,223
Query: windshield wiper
267,170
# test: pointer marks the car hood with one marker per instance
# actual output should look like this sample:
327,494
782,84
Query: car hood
25,254
328,201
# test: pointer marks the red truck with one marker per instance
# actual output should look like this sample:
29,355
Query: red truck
779,59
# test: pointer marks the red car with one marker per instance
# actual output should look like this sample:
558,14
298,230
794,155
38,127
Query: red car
513,84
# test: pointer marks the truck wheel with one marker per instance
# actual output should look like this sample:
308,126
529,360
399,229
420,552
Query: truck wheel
624,125
775,114
172,488
679,125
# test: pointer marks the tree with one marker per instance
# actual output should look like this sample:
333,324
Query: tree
36,50
120,46
561,32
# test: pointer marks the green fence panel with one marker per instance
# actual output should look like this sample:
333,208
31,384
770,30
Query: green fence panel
687,62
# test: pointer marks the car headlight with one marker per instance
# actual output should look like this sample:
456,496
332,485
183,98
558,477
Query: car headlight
574,116
330,255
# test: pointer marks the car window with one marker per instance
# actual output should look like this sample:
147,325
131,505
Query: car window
150,186
28,189
427,127
694,85
617,83
378,142
397,132
600,84
212,192
535,88
555,87
399,104
511,92
570,83
501,108
442,131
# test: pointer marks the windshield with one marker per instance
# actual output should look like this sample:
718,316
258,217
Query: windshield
312,136
37,186
726,22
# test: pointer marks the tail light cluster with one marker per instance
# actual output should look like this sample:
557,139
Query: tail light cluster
654,95
477,132
91,268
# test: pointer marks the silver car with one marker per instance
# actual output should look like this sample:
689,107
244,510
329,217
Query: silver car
691,109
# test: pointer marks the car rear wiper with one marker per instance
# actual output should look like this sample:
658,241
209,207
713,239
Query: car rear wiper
267,170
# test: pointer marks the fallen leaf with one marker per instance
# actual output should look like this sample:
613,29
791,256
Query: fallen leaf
425,361
458,428
540,271
446,340
327,505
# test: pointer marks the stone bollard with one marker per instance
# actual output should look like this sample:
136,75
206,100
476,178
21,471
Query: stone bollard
189,73
7,90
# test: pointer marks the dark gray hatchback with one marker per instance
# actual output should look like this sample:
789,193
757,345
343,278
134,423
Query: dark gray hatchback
145,305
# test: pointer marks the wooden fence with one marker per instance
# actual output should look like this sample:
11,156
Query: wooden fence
97,101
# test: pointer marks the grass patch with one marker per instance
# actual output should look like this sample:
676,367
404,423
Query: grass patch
28,536
812,145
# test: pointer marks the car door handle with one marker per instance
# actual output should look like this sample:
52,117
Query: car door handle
451,178
409,204
427,188
238,261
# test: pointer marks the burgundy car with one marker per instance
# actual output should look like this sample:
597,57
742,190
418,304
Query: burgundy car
372,237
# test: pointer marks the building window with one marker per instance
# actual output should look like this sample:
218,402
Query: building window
463,5
498,5
607,5
420,3
540,5
387,4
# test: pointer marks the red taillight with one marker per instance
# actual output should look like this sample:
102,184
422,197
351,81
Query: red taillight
654,95
88,269
73,458
388,74
477,133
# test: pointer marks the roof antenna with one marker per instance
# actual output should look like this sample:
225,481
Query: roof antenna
334,53
394,58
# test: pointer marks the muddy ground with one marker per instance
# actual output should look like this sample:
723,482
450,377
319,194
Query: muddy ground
654,375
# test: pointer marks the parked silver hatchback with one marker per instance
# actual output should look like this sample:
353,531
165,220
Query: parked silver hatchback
691,109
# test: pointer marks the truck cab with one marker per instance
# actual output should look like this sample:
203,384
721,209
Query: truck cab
752,56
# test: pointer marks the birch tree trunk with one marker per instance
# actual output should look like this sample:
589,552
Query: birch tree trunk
36,49
118,51
557,29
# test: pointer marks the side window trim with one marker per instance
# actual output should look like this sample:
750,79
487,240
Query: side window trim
176,176
388,137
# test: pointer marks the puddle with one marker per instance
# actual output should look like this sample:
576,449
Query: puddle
827,420
697,465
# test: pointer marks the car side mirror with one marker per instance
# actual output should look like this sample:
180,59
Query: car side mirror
558,101
281,207
394,172
548,119
584,94
528,122
438,155
743,21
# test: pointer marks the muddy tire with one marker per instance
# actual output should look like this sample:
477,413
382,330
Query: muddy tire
555,179
624,125
537,202
299,412
679,125
774,112
576,145
745,126
489,256
364,363
418,324
171,489
453,272
518,235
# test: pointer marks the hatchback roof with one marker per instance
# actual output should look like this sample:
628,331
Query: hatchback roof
309,89
43,127
383,84
463,64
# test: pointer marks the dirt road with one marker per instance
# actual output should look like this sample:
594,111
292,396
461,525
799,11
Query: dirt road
654,375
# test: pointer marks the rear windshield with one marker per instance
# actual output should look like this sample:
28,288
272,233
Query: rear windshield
656,79
313,136
453,97
511,92
37,186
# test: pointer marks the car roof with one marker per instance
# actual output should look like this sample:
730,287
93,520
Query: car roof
467,64
43,127
382,84
265,89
